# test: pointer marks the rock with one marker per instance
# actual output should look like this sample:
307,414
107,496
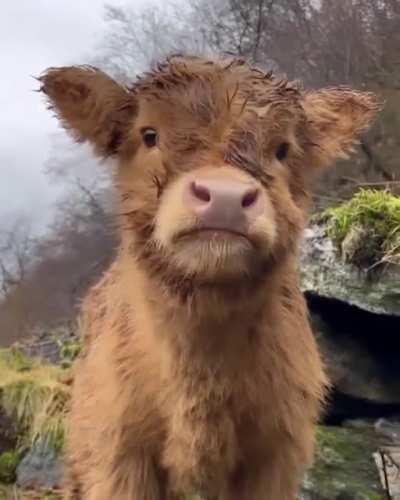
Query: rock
387,461
324,273
40,468
388,431
356,320
387,457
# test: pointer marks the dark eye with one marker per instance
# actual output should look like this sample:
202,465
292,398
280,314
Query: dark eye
149,136
282,151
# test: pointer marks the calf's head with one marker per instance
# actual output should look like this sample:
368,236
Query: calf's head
215,158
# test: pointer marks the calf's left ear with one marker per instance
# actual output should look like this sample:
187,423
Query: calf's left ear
336,118
90,105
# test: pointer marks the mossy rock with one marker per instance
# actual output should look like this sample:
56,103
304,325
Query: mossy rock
325,273
351,252
344,467
9,461
366,229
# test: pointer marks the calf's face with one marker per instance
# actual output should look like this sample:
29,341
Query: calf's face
214,158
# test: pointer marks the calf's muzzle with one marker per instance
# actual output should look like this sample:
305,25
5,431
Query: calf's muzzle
223,204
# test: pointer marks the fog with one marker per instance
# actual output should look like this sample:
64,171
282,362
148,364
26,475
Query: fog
33,36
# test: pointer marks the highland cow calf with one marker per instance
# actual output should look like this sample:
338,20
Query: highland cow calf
200,371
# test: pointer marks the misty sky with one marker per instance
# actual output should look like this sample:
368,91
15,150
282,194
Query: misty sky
35,34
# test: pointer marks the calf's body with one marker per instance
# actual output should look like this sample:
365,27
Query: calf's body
200,374
223,404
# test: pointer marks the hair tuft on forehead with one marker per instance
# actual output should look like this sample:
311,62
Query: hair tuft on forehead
178,71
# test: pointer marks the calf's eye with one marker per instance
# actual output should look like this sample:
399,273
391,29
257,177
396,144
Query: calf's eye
282,151
149,137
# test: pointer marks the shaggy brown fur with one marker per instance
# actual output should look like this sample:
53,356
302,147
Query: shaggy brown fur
200,372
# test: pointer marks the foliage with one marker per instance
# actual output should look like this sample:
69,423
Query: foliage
33,396
367,228
69,351
9,461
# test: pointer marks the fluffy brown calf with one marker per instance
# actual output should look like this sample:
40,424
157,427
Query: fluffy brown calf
200,372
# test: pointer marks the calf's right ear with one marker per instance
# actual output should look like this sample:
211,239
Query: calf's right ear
90,105
336,119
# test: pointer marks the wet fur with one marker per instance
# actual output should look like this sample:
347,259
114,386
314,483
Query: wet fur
191,380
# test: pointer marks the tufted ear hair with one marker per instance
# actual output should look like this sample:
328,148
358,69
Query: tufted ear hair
90,105
336,118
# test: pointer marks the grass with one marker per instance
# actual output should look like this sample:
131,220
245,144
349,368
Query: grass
14,493
33,395
366,228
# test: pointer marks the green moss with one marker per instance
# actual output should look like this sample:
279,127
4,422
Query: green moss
344,465
9,461
367,228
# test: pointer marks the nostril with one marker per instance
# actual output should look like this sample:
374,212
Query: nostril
200,191
250,198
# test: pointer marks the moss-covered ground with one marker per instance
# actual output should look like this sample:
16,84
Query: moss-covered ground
344,465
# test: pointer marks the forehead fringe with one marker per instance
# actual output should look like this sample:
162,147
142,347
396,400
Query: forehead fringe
178,71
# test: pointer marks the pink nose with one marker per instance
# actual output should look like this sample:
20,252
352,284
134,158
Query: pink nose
223,204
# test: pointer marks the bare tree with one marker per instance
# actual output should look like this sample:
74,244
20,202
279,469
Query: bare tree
136,37
347,42
16,253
